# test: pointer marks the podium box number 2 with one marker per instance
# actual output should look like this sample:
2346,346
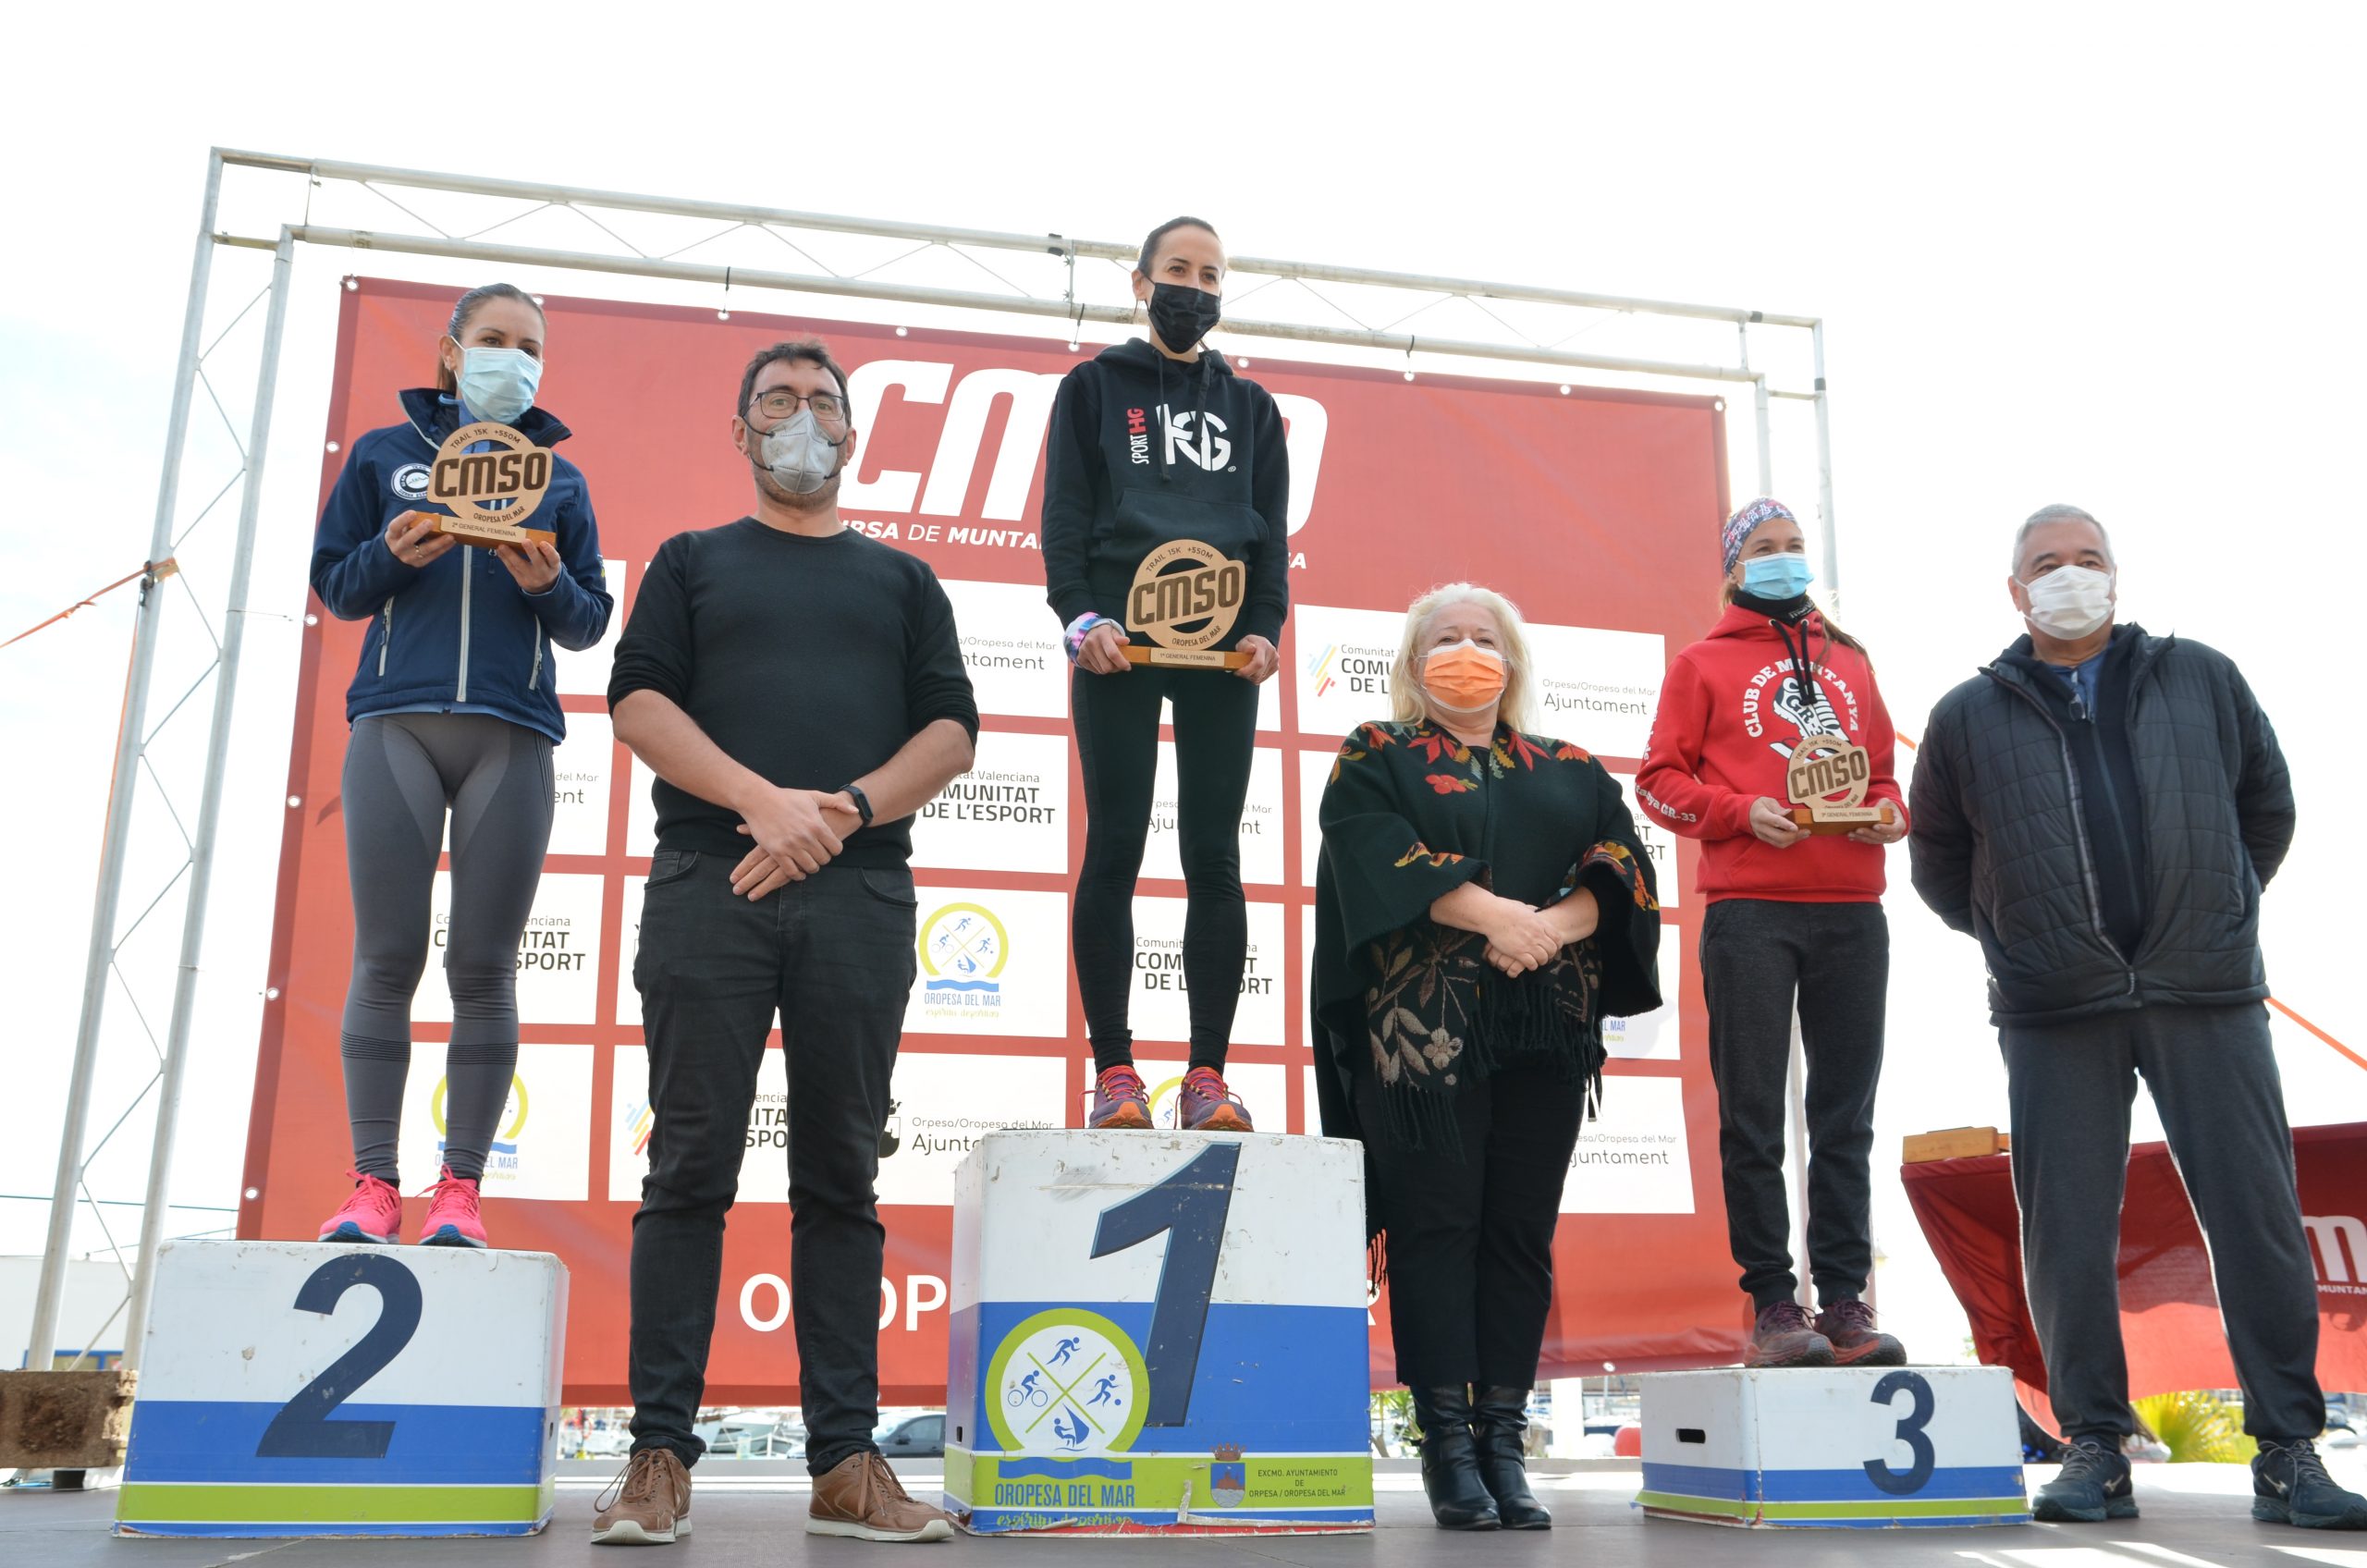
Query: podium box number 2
292,1388
1853,1448
1157,1333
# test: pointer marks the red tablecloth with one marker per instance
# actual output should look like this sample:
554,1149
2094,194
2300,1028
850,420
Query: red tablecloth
2169,1313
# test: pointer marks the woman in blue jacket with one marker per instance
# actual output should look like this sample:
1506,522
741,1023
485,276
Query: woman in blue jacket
453,710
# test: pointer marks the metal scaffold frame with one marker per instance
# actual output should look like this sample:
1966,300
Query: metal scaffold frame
1080,281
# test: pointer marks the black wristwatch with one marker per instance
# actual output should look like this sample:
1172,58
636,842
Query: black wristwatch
862,801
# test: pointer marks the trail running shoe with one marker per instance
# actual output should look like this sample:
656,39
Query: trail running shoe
1783,1337
1849,1326
373,1212
2093,1486
1119,1101
1204,1105
2290,1487
453,1220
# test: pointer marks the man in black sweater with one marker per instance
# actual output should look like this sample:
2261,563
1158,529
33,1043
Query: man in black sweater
2101,808
798,690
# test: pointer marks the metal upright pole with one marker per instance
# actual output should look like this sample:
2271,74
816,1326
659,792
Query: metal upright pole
209,812
1766,440
1824,474
42,1347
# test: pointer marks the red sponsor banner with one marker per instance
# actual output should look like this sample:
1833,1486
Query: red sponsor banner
2169,1312
1596,510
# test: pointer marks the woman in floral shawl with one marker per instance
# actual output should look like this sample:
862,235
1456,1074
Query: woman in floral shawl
1482,903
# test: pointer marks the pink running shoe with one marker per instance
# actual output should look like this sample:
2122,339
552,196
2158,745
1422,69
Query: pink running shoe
374,1213
452,1217
1204,1105
1119,1101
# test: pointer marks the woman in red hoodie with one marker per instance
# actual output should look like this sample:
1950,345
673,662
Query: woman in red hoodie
1790,916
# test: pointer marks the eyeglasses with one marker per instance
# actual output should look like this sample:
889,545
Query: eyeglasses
780,403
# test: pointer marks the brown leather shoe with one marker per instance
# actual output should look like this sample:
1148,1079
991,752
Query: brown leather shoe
861,1496
648,1505
1783,1337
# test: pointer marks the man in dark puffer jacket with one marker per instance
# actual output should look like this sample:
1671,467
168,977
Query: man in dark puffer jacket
2101,808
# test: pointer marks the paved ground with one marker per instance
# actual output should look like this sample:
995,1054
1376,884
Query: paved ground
752,1513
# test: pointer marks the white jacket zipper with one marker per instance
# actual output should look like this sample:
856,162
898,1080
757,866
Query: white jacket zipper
534,678
387,640
468,576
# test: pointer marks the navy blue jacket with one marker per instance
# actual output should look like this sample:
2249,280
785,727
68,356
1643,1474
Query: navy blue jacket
458,631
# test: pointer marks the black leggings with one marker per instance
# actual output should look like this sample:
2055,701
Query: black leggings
1117,742
402,772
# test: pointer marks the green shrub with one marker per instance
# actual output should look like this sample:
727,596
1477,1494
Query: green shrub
2196,1426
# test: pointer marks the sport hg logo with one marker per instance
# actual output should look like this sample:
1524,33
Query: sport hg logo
1209,449
1138,437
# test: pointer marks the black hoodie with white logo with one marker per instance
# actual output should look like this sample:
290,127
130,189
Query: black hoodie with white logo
1144,451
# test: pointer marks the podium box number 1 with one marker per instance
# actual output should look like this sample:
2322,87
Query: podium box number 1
1157,1333
293,1389
1857,1448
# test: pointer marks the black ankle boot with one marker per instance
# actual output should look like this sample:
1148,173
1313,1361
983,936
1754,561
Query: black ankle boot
1450,1461
1499,1418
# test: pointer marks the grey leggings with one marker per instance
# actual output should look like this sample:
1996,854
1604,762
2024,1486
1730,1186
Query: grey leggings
402,772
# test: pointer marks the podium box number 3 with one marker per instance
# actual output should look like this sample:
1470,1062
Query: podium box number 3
1863,1447
291,1389
1155,1333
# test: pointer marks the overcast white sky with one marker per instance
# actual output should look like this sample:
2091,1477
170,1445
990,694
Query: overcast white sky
2098,254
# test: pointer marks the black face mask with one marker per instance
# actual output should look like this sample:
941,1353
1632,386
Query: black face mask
1182,314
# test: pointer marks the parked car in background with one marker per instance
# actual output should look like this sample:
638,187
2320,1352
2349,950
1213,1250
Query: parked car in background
913,1436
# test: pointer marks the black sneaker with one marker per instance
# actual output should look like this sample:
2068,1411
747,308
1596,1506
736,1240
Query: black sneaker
2290,1487
2094,1487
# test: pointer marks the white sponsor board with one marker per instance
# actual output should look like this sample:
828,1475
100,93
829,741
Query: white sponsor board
542,1142
1261,821
1633,1159
1161,1004
559,966
1659,842
1010,645
1655,1036
581,767
1342,665
1597,688
1008,813
992,961
585,674
641,814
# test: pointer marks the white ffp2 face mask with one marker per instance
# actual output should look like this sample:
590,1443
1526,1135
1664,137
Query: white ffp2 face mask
799,456
2071,601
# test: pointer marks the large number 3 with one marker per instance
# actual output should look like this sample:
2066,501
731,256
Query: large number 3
1908,1431
1190,1206
302,1429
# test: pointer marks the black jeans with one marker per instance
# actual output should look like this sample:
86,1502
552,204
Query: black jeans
1757,954
1116,719
2213,1072
834,955
1471,1240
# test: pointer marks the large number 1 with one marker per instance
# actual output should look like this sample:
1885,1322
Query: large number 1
1190,1206
1909,1431
302,1429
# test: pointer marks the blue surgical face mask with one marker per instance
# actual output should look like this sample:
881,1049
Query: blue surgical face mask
498,384
1781,576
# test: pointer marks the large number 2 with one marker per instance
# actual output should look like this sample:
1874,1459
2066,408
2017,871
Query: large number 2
302,1429
1190,1206
1910,1432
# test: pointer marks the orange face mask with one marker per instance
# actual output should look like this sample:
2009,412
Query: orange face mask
1463,677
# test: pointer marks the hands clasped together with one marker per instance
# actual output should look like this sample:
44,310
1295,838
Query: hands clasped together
797,832
1521,938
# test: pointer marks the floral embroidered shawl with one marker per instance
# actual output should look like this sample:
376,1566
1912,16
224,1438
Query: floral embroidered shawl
1411,813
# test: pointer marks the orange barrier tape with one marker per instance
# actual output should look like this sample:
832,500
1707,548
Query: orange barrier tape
2355,1059
159,570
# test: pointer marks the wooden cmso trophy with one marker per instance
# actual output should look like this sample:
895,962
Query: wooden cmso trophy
1827,783
1185,598
491,494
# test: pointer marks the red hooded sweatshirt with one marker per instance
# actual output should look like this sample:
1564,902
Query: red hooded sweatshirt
1730,713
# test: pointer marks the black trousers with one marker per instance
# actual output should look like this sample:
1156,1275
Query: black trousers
1757,956
1471,1240
1116,718
834,956
2213,1072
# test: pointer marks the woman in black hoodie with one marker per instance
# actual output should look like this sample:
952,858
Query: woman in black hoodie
1153,443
